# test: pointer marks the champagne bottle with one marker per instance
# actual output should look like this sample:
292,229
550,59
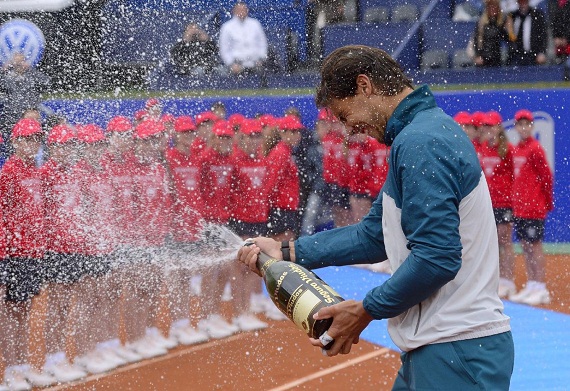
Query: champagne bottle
299,294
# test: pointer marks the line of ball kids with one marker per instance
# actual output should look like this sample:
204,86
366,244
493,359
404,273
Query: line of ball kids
521,186
94,237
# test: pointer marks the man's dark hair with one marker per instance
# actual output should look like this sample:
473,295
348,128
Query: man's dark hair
341,68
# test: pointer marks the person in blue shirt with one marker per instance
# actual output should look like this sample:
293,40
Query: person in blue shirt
433,221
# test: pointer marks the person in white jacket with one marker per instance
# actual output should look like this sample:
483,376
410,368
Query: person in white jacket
243,44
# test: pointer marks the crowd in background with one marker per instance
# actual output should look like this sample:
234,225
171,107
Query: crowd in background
521,186
96,221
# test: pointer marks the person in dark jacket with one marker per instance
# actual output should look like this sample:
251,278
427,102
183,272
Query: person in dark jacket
560,25
195,52
490,33
528,36
21,86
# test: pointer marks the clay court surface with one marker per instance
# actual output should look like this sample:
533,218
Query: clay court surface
280,358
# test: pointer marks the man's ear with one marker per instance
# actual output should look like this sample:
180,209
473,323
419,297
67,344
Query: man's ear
364,85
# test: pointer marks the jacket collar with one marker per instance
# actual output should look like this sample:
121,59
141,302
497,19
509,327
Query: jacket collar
419,100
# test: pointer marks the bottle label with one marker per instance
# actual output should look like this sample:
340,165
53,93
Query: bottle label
301,308
319,286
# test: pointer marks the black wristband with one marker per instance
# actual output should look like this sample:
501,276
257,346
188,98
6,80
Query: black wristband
285,251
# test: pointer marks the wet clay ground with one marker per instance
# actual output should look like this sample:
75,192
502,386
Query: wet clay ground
280,358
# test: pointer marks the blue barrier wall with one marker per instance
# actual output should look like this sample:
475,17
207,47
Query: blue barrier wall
553,103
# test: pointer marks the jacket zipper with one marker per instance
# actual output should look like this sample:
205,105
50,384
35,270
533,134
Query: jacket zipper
419,318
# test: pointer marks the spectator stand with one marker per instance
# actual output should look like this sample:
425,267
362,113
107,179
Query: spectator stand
139,33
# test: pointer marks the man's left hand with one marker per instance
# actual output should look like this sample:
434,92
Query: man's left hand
349,319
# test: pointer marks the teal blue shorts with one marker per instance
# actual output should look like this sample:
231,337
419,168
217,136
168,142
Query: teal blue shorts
472,364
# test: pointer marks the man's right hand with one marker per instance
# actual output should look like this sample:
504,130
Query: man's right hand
248,254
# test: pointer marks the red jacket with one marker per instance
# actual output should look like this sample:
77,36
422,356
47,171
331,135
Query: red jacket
499,173
533,184
23,211
216,183
367,167
98,207
64,209
282,178
250,194
185,173
120,171
152,205
334,161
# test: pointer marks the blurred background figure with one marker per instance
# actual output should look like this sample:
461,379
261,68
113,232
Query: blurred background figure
532,200
243,44
490,34
528,35
196,52
560,24
21,86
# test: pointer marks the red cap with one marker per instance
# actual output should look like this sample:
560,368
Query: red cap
267,120
168,118
60,134
493,118
26,127
251,126
463,118
90,133
478,118
140,114
290,122
206,116
524,114
236,119
184,123
149,128
324,115
151,102
223,128
119,124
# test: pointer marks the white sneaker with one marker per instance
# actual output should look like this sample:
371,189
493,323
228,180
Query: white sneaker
15,380
521,295
95,363
161,341
248,322
4,387
146,348
259,303
111,356
39,379
65,372
537,297
274,313
189,336
127,354
216,327
507,288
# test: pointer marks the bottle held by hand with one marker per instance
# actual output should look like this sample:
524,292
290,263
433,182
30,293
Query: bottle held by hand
299,294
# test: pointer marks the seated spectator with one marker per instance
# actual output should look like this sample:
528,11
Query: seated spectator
490,33
243,44
196,52
560,24
528,35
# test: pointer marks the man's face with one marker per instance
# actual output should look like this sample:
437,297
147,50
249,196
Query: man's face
240,11
361,114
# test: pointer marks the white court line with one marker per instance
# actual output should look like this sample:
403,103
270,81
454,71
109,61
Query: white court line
330,370
144,363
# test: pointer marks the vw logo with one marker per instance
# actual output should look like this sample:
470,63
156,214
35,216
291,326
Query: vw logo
21,36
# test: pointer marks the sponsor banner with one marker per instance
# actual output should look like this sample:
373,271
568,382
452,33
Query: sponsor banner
21,36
